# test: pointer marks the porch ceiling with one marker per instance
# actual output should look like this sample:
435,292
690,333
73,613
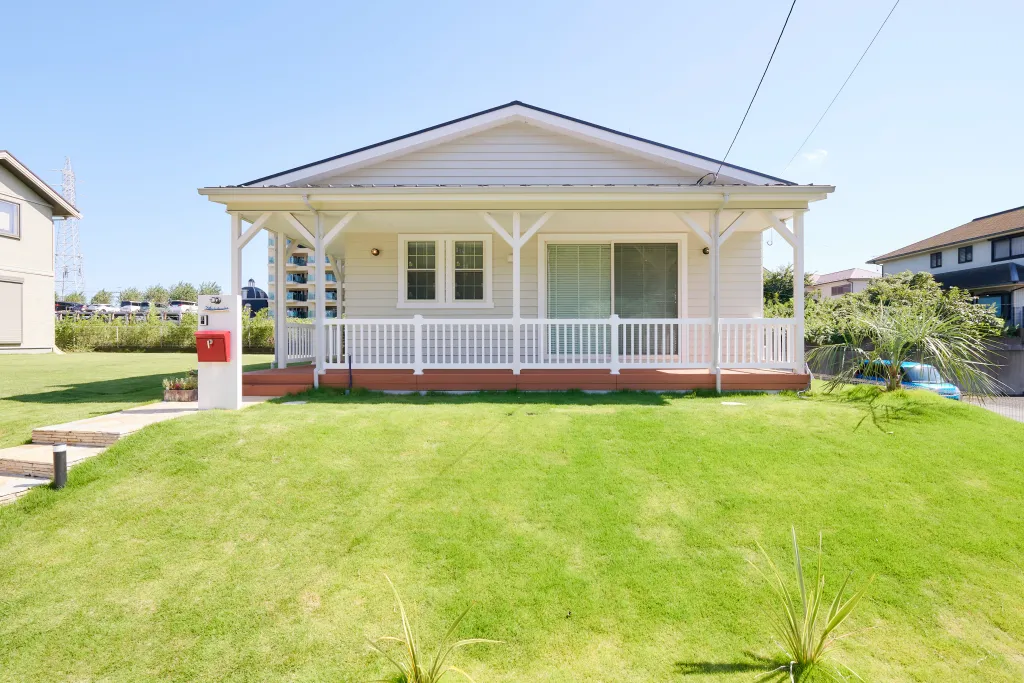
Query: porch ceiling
572,221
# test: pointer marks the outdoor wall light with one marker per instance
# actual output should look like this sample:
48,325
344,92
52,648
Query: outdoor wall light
375,251
705,251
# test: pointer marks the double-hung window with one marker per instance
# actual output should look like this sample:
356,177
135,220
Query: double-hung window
421,271
445,271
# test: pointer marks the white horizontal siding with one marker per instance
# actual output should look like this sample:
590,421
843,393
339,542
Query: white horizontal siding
740,288
515,153
371,282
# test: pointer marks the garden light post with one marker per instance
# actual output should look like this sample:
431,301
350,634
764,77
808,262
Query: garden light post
60,465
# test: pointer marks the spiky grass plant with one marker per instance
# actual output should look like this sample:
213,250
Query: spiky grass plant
412,662
804,633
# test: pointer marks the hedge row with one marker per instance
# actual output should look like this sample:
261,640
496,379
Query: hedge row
153,334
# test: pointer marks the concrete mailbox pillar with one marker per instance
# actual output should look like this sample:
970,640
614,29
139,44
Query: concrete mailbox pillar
219,348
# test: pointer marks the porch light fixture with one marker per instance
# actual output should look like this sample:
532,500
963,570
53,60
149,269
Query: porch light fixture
375,251
705,251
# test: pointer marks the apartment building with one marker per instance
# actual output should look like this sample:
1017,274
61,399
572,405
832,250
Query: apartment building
300,282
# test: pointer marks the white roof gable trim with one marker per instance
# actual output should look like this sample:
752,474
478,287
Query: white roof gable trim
515,112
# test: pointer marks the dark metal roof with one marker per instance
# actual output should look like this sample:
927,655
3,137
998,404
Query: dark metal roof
514,103
984,276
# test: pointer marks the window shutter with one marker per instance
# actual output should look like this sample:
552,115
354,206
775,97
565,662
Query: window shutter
579,281
10,312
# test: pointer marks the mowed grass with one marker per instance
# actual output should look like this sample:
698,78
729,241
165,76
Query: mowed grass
604,538
46,389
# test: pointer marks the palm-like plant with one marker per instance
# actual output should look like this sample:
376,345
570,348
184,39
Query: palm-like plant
413,664
806,634
883,337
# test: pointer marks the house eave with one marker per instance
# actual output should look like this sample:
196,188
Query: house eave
887,258
518,197
61,207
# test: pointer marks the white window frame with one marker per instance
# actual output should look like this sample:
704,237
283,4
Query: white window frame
680,239
16,235
444,261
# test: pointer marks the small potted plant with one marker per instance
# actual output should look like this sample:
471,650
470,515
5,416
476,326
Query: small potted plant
182,388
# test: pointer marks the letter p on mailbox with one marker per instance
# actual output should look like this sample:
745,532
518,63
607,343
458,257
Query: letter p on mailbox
213,346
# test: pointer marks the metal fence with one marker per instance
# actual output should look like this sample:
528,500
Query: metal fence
1007,406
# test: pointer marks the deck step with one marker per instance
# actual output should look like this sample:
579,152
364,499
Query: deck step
274,390
288,381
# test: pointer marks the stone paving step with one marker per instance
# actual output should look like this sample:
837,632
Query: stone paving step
104,430
36,460
13,487
22,467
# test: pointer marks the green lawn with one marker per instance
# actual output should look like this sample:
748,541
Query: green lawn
253,545
45,389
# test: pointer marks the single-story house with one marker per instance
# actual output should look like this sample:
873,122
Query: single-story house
984,256
834,285
27,209
521,248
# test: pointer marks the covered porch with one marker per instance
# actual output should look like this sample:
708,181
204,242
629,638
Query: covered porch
511,339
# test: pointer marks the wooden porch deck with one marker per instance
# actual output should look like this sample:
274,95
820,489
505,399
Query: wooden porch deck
293,380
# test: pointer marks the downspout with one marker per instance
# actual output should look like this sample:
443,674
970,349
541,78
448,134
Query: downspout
317,265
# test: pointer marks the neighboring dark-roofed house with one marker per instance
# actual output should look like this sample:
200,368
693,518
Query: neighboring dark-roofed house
985,256
849,281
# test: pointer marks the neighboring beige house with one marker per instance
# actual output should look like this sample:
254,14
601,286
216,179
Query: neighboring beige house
27,209
832,285
515,244
984,256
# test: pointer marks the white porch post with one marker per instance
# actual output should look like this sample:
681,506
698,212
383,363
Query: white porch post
280,302
517,248
236,253
798,289
716,344
321,304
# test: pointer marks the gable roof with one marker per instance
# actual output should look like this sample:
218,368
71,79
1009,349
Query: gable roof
848,274
489,118
61,207
1002,222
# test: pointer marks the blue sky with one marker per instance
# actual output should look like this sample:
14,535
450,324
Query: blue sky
152,102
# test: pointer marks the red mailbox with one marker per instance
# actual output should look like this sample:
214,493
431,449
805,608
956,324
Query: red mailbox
213,346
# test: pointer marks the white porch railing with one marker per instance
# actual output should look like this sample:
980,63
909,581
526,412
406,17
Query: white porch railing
758,343
425,343
300,342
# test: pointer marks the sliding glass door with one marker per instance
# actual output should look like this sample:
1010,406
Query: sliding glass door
581,281
647,280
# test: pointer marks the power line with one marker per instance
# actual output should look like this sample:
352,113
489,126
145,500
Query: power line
756,90
863,54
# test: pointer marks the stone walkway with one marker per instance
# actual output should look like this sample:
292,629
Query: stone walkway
29,465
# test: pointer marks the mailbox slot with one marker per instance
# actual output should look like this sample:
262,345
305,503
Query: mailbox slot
213,346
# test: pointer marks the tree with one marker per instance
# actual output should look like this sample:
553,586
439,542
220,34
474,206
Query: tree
184,291
909,318
778,284
101,297
75,297
131,294
209,288
157,294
